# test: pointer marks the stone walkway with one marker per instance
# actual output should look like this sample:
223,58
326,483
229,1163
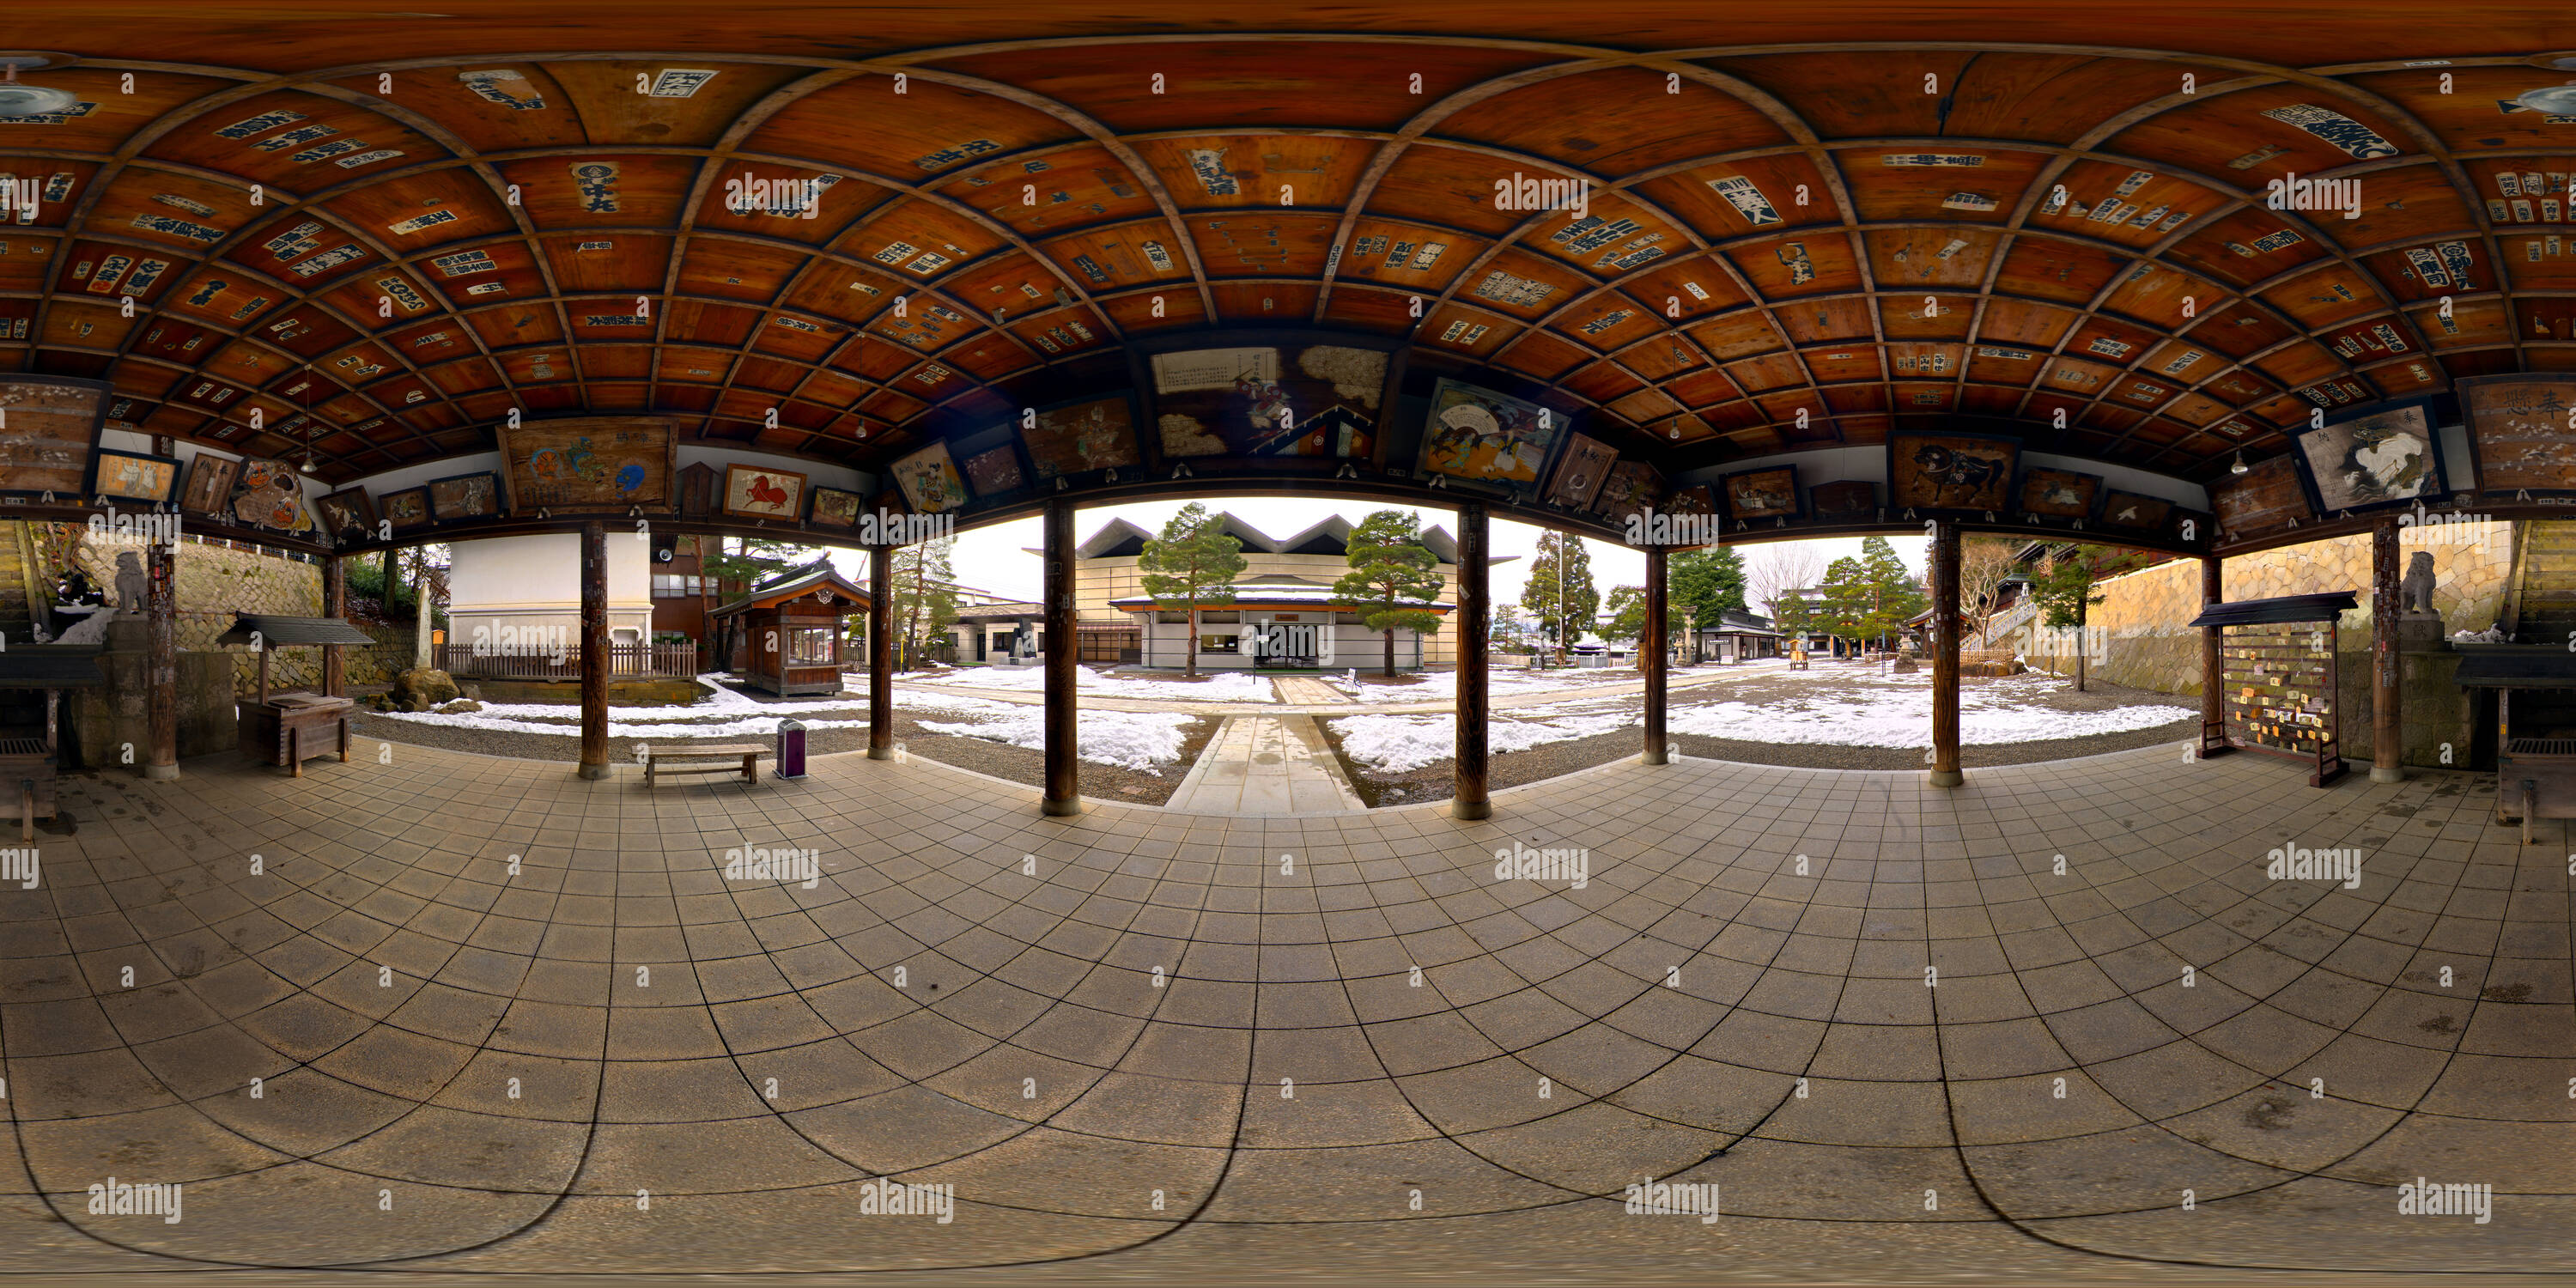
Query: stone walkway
1266,765
1307,691
506,1021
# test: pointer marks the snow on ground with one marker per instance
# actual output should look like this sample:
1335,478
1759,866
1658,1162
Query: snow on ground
1442,686
1896,711
1127,739
1132,740
1220,686
1879,711
1398,743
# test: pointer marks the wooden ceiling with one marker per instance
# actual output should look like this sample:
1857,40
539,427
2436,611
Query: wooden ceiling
1792,245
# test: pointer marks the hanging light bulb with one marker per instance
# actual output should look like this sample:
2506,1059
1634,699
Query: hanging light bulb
2240,466
18,100
2556,100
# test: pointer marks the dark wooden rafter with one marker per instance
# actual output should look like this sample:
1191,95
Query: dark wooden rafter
410,439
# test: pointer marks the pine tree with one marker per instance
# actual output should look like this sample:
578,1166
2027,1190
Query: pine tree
1559,591
1894,595
1392,573
1844,599
1627,610
924,604
1702,585
2064,588
1193,564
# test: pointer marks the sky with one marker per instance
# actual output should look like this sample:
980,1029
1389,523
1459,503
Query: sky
996,558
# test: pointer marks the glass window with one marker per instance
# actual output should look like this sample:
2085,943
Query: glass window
1219,643
809,646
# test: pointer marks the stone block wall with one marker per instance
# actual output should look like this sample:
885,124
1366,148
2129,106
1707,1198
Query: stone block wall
2140,635
215,582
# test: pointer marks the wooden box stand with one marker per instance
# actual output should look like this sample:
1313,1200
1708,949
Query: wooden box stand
290,728
27,779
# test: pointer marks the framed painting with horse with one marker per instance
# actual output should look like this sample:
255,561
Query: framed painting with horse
1932,471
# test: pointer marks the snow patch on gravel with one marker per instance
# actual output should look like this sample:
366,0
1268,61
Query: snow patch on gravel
1401,743
1896,711
1220,686
1128,739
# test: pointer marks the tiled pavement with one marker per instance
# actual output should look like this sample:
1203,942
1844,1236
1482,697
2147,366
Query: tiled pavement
969,997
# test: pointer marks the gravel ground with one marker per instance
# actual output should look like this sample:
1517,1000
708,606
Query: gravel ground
1430,782
1435,781
1001,760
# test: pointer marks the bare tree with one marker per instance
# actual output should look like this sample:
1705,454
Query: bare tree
1984,563
1771,571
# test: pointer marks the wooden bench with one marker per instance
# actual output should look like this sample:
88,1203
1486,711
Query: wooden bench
692,758
28,765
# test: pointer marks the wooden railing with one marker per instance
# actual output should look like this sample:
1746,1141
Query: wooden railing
623,659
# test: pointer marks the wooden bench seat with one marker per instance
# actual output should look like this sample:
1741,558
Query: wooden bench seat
696,758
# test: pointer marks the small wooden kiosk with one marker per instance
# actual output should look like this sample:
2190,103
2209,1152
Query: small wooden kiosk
2282,679
287,728
2536,771
791,630
28,756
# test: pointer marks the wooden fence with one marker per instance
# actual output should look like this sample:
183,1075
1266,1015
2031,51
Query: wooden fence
623,659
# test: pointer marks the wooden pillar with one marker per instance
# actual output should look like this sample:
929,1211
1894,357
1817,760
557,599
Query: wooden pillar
335,603
594,648
1063,782
880,653
2387,732
2213,662
161,659
1943,551
1654,652
1475,624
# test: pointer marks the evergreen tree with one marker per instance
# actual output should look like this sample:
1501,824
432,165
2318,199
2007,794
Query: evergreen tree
757,560
1894,594
1705,583
924,604
1392,573
1559,592
2064,587
1701,585
1193,564
1843,599
1627,609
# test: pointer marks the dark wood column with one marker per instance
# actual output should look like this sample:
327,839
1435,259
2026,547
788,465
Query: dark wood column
1063,780
880,653
335,603
161,658
594,649
2387,732
1943,550
1654,652
2213,662
1475,624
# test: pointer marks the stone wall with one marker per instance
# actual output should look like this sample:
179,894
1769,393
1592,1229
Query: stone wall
2139,635
216,581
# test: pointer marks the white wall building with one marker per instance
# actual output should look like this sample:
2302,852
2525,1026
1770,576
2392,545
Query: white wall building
505,591
1107,580
1276,620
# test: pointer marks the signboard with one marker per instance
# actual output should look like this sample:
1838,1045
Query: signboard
2522,432
590,464
2280,681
